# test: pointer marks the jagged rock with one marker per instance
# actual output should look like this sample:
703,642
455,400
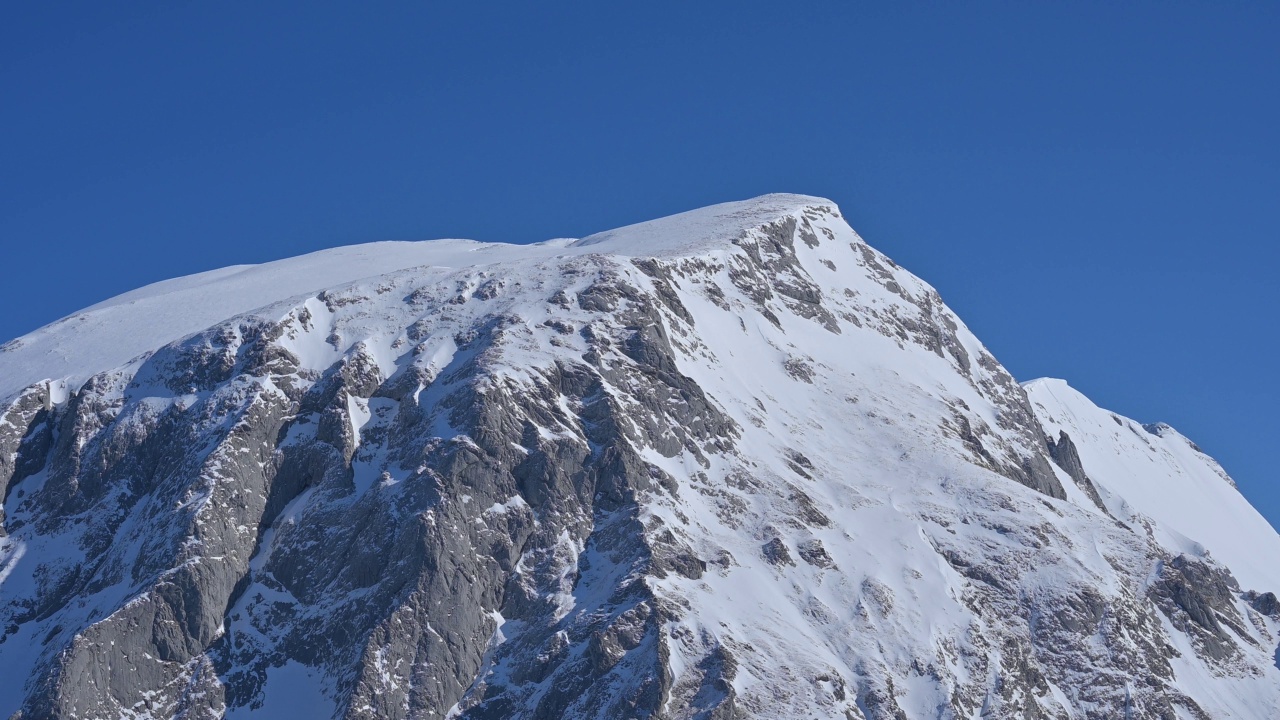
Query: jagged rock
1065,455
812,552
776,553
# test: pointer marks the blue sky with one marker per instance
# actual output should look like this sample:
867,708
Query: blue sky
1094,187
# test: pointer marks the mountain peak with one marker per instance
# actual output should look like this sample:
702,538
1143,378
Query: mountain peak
729,463
705,226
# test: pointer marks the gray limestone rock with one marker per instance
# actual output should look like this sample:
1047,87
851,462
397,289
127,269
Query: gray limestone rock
1065,455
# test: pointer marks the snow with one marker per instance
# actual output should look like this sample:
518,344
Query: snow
358,409
292,692
117,330
695,230
1165,478
515,501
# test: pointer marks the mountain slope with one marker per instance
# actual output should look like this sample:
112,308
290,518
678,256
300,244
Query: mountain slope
732,463
1152,472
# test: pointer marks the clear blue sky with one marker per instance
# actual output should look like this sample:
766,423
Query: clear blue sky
1094,187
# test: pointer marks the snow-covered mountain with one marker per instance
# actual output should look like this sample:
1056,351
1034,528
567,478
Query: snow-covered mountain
732,463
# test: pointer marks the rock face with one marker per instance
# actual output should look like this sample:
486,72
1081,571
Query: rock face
729,464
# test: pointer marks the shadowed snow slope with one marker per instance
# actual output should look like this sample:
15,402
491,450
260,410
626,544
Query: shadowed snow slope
732,463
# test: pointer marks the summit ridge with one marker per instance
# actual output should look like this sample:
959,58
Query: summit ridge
118,329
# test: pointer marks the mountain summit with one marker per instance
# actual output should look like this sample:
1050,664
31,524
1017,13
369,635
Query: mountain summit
732,463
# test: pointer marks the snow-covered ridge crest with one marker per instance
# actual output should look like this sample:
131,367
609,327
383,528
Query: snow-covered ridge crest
115,331
733,463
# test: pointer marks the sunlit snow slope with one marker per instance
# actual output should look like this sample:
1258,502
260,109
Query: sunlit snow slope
1151,471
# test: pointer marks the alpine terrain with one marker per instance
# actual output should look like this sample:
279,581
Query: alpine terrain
733,463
